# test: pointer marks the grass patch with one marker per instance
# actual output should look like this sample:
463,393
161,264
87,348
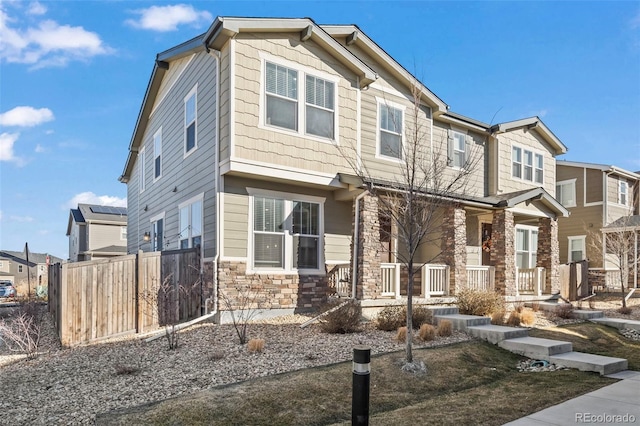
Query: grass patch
596,339
467,383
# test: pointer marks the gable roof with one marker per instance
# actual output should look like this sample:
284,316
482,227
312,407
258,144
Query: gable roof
96,213
34,258
532,123
601,167
628,223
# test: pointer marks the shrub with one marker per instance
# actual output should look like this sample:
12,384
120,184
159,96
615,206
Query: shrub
256,345
527,317
564,310
345,319
479,302
519,308
445,328
427,332
625,310
393,317
401,335
497,318
514,319
535,306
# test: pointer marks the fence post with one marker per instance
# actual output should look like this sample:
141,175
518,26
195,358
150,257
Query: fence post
361,383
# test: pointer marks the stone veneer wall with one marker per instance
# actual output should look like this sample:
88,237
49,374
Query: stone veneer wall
503,252
275,291
369,273
454,246
549,253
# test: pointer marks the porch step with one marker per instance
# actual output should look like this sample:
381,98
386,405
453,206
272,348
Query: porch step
536,348
462,322
585,314
443,310
619,323
589,362
496,333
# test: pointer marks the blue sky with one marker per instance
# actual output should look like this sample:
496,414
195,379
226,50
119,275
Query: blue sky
73,75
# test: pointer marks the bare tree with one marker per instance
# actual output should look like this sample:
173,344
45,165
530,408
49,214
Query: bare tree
620,242
21,333
241,301
428,180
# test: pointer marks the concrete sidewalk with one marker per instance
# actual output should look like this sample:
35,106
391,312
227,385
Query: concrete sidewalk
616,404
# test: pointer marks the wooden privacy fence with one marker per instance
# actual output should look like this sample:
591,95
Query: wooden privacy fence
574,280
95,300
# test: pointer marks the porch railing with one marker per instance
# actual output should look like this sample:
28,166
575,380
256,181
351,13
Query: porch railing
390,279
339,280
530,281
435,280
481,277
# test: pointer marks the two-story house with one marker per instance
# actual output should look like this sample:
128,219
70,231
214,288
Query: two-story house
239,148
15,268
599,197
96,232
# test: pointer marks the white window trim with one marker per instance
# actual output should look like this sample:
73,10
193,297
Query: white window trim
515,241
155,154
186,203
464,132
624,183
582,238
142,181
533,152
192,92
164,228
123,228
302,73
382,101
288,268
568,182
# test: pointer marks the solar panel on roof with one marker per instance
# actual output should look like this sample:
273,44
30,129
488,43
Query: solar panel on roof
120,211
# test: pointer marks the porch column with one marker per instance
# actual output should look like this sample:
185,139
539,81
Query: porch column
369,281
454,246
549,253
503,253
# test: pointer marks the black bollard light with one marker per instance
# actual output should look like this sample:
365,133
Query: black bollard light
361,383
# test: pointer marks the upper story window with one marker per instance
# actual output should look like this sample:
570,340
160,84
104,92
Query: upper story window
142,183
157,154
566,192
190,216
577,248
390,130
286,232
123,233
190,121
457,149
623,193
285,107
19,268
527,165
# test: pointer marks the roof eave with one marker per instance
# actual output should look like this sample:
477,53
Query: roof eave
532,123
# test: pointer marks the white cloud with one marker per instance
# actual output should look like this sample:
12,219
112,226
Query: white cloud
48,43
7,140
167,18
91,198
25,116
21,219
37,8
40,149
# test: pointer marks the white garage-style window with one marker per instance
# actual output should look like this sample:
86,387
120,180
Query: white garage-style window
286,231
190,218
299,100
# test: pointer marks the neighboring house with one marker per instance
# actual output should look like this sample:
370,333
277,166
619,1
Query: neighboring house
97,232
597,196
14,267
236,151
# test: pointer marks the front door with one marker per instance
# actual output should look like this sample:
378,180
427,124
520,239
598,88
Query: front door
486,244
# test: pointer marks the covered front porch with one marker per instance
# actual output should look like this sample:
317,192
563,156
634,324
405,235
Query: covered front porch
508,245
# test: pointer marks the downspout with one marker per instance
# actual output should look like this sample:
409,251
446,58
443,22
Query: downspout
216,165
354,261
605,200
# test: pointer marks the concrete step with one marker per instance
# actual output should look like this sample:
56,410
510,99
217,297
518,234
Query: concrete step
589,362
619,323
462,322
546,306
443,310
536,348
586,314
496,333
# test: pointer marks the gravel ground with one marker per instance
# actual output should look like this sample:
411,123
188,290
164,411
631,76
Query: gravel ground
70,386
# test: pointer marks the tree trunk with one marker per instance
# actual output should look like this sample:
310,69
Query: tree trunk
409,341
